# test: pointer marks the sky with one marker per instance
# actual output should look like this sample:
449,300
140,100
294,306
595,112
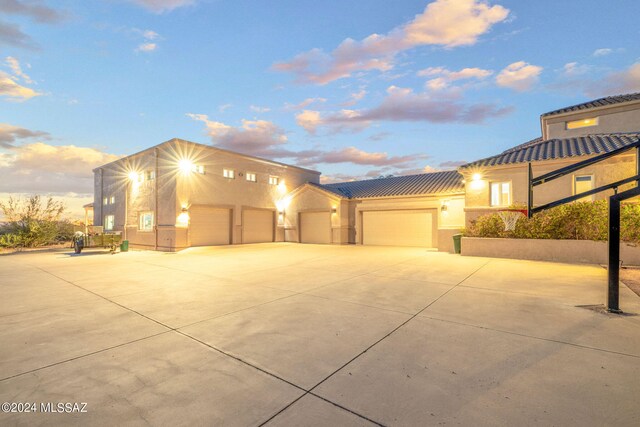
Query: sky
354,89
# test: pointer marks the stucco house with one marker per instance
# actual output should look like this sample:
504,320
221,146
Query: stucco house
180,194
569,135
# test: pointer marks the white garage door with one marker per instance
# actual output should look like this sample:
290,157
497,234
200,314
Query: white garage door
210,226
397,228
257,226
315,227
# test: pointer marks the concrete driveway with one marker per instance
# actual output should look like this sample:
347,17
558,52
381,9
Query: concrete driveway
288,334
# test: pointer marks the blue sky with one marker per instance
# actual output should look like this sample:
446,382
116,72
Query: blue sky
355,89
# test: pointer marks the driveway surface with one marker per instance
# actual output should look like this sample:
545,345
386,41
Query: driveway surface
303,335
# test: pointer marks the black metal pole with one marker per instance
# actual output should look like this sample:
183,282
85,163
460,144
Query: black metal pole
613,296
530,194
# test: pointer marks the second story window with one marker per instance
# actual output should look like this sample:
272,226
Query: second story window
251,177
577,124
274,180
150,175
500,193
105,201
112,200
229,173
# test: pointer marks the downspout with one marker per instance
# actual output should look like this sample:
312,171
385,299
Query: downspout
155,215
101,200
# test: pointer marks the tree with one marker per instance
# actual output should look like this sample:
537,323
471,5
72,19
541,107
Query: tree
30,222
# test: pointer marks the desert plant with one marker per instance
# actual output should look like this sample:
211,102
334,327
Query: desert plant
31,222
579,220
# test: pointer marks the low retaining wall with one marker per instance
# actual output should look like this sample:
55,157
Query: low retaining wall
570,251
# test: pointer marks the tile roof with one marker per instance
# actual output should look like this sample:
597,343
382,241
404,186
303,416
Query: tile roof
539,149
445,182
607,100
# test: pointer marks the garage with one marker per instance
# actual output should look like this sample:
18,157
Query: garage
257,225
398,228
315,227
210,226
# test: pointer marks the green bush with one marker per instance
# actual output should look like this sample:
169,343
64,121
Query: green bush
577,221
33,222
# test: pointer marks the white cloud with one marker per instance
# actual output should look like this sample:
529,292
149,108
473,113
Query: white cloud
14,91
160,6
447,23
354,98
602,52
16,69
10,134
572,69
303,104
146,47
520,76
41,168
401,105
443,76
224,107
620,82
265,139
258,109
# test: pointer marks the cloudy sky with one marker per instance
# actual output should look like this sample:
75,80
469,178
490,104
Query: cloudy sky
354,89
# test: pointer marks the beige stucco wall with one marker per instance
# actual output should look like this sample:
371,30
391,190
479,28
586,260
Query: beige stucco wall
478,193
571,251
444,225
611,119
310,199
174,190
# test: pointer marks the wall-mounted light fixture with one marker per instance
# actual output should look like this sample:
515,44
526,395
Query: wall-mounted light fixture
334,209
445,206
183,218
134,176
476,177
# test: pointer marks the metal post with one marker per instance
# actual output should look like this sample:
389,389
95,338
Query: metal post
530,194
613,296
638,165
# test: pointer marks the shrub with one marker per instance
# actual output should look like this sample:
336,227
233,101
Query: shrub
33,222
579,221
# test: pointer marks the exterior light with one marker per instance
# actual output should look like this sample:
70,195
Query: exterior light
186,166
445,206
133,176
476,177
183,218
334,209
282,188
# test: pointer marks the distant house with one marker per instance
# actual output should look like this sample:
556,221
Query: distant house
569,135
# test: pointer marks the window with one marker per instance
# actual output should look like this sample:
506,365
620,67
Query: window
500,193
112,200
108,222
251,177
577,124
582,183
146,221
229,173
105,201
150,175
274,180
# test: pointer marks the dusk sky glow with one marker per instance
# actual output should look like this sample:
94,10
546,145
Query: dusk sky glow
354,89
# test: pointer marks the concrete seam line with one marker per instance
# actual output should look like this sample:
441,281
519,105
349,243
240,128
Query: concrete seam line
394,330
586,347
84,355
271,374
345,408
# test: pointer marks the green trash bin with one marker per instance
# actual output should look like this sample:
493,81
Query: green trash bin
457,243
124,246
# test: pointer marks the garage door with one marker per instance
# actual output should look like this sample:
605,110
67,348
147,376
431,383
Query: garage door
210,226
397,228
315,227
257,226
